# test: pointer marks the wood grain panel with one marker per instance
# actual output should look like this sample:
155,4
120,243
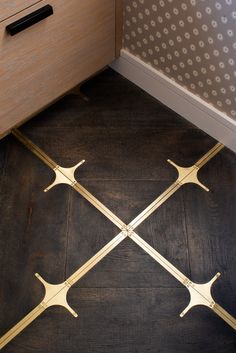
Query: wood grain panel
10,8
44,61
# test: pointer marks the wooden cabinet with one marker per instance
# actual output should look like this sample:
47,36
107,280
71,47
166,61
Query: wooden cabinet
44,61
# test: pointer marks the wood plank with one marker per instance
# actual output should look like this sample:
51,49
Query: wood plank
130,156
126,320
211,228
3,159
127,265
88,232
120,138
33,234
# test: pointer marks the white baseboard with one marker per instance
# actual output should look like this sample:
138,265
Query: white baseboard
196,110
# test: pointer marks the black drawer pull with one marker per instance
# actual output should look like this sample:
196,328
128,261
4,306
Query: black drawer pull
29,20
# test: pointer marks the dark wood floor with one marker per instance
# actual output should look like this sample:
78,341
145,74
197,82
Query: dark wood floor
127,303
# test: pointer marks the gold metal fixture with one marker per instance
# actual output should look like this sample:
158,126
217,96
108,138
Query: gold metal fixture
66,175
200,294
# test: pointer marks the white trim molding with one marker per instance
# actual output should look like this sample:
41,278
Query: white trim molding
188,105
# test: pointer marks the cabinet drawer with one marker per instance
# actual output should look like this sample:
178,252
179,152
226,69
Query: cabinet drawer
10,8
49,58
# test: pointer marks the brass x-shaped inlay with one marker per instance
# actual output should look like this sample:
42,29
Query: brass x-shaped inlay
200,294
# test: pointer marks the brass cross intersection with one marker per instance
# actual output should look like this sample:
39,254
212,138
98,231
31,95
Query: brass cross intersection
56,294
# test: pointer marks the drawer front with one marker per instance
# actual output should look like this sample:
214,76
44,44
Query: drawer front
49,58
11,7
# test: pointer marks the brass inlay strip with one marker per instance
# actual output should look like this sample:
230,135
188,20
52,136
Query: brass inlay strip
221,312
56,294
210,154
186,175
66,175
96,203
34,148
200,294
96,258
154,205
21,325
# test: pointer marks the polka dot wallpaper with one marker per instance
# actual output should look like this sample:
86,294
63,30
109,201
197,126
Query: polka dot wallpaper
192,41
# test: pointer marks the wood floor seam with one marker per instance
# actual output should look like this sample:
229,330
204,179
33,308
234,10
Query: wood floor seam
67,233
